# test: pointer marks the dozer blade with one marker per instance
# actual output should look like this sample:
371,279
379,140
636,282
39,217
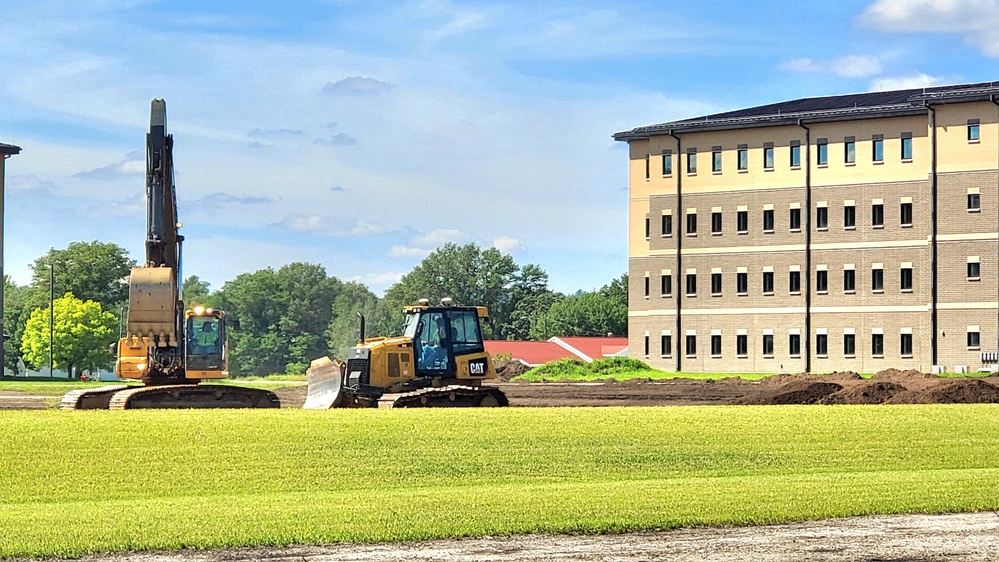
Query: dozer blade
325,383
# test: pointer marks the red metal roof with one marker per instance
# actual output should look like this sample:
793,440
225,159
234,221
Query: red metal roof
530,353
539,352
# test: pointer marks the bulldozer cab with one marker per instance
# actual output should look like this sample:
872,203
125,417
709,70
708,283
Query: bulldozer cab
441,334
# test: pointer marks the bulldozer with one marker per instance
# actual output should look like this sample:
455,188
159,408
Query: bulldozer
438,361
169,348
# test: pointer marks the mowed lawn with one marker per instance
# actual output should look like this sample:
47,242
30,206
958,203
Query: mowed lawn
80,482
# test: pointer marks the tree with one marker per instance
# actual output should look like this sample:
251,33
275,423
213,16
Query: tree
195,291
530,294
343,330
15,315
283,316
467,274
82,333
89,270
617,290
583,314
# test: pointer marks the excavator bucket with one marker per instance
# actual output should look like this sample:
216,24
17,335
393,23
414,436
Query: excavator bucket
325,382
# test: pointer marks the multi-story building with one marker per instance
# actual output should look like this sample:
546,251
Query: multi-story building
854,232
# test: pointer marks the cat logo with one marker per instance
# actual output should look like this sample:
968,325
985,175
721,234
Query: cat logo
477,368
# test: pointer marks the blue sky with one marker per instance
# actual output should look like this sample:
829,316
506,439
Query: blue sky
362,134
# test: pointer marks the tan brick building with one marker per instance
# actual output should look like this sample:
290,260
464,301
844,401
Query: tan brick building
855,232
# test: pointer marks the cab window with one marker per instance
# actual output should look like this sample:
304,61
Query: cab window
465,330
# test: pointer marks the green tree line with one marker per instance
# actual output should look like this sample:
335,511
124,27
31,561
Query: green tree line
283,318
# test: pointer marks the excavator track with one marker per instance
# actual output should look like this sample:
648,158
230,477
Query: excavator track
90,398
445,397
187,396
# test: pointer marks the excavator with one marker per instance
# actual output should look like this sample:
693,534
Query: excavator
170,349
438,361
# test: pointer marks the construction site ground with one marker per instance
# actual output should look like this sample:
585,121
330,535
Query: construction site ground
906,538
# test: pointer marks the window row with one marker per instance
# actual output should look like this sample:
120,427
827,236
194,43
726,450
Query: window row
767,346
849,280
768,218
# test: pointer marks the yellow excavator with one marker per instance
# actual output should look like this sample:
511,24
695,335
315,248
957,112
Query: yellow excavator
170,349
438,361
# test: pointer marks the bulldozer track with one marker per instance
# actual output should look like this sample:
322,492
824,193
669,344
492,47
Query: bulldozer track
446,396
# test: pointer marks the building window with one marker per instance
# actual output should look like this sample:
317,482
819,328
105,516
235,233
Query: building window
646,346
907,147
742,222
794,282
905,279
905,214
878,345
877,215
849,217
743,157
974,270
691,284
716,284
905,345
768,156
795,155
667,225
794,220
666,345
742,345
768,220
821,345
821,281
974,132
692,162
974,339
667,163
768,345
742,283
821,218
691,345
666,285
794,345
646,286
849,345
716,223
974,202
768,282
691,224
822,152
716,161
849,281
647,157
878,280
878,148
716,345
849,150
648,227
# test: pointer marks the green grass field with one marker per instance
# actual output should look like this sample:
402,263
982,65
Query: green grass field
92,481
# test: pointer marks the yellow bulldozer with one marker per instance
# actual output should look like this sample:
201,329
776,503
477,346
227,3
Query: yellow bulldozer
438,361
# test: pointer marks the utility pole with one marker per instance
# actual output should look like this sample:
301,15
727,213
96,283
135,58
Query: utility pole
51,314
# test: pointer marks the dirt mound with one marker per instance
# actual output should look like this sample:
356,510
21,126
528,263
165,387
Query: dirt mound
870,392
956,391
895,375
787,378
795,392
506,369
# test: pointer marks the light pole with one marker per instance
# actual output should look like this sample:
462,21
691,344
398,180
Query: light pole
6,151
51,315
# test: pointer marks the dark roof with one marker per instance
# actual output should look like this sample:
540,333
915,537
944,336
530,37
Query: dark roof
828,108
9,149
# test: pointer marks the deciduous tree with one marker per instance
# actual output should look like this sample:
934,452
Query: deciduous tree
94,271
82,332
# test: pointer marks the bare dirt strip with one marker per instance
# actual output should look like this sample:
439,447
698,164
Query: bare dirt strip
907,538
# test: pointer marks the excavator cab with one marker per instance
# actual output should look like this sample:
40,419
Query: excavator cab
207,356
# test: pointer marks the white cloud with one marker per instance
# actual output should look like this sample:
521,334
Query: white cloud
384,279
977,21
905,82
356,86
330,226
401,251
440,236
134,164
850,66
507,244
